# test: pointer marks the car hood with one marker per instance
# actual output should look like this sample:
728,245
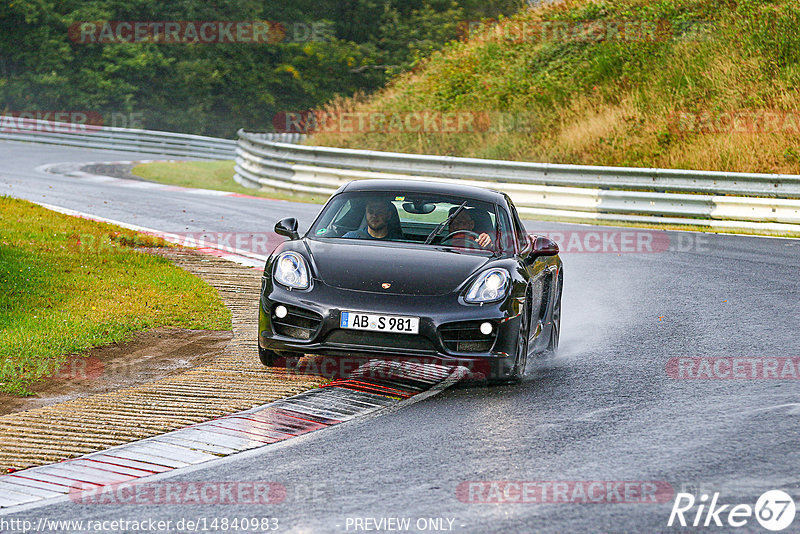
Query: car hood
411,270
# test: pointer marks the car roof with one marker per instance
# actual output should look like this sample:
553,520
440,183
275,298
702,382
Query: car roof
424,186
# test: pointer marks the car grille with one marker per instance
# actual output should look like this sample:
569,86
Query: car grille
298,323
467,337
381,339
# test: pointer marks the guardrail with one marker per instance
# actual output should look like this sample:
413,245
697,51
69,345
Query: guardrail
765,203
124,139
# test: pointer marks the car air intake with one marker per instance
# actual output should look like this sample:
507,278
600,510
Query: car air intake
381,339
298,323
467,337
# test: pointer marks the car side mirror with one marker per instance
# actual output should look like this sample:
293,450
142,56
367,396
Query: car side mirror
287,227
542,246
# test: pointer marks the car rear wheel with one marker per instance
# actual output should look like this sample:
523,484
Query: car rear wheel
555,330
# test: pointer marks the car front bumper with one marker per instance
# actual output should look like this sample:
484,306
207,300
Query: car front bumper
440,320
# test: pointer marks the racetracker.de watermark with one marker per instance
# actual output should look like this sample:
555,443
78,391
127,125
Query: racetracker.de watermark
735,121
199,32
605,242
49,121
180,493
625,241
569,241
262,243
77,122
564,492
395,122
398,368
734,368
584,31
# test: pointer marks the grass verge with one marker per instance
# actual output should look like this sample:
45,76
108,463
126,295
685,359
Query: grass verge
217,175
705,84
69,284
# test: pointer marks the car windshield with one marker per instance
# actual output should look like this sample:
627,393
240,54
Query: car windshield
423,218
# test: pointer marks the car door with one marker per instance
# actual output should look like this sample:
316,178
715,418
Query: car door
538,273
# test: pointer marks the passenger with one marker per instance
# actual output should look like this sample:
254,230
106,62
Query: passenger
463,223
382,222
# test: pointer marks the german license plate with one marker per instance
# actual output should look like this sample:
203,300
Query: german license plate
379,322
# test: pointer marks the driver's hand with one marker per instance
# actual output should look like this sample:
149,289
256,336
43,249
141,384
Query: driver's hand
484,240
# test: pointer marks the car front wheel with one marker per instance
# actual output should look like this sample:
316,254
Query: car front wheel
523,341
268,357
521,357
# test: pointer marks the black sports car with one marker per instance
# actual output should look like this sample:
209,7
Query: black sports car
420,270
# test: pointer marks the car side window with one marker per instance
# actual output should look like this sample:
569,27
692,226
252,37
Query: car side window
522,236
506,232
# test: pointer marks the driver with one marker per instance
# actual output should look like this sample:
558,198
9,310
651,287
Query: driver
378,214
464,223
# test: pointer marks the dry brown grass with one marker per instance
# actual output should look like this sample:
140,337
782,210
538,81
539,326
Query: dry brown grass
625,119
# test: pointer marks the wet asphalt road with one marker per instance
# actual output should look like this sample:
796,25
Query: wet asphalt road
604,409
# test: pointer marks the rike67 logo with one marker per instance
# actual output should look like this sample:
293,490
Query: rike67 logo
774,510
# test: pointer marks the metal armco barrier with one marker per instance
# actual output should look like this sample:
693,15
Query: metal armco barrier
763,203
124,139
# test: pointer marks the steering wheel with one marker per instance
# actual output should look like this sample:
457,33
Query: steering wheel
467,233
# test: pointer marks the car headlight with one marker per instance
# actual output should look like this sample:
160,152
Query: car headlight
291,270
490,286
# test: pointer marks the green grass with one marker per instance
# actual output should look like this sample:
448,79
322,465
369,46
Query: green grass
609,102
68,284
217,175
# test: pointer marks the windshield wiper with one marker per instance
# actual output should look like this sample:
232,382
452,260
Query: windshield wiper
444,223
